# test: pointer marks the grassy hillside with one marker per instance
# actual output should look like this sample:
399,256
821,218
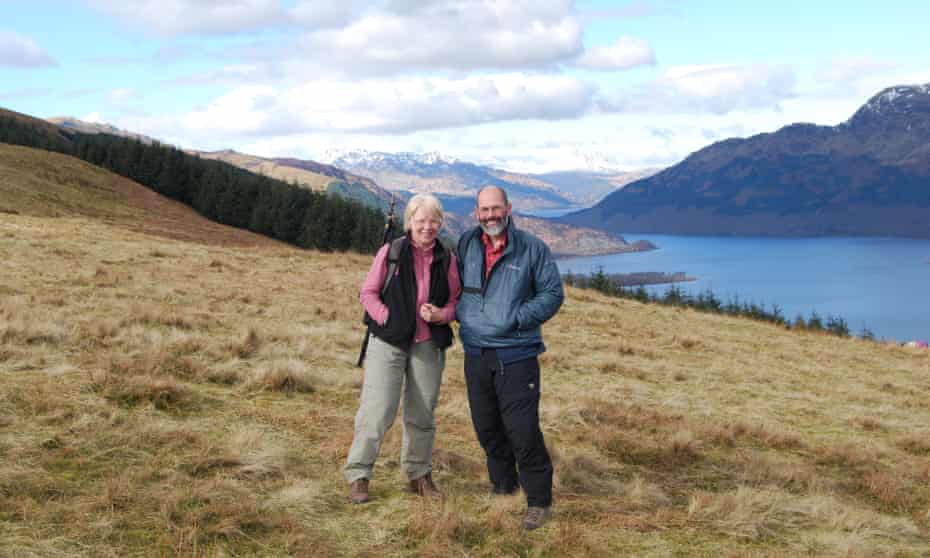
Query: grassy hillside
176,397
45,184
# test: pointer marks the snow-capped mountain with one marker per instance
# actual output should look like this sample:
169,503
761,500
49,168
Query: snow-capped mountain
896,99
446,176
376,160
450,177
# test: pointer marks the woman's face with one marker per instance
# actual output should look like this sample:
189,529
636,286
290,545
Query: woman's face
424,228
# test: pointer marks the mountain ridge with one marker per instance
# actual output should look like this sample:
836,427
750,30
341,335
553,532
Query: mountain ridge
563,239
85,127
441,174
866,176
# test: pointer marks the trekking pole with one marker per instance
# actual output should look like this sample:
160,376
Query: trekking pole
386,238
389,224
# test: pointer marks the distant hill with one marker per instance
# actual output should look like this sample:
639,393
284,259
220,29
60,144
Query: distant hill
71,123
310,174
867,176
587,188
563,239
43,134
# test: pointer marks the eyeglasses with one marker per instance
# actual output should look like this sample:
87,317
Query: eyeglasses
492,210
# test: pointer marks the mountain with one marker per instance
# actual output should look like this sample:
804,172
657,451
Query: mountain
451,178
867,176
563,239
316,176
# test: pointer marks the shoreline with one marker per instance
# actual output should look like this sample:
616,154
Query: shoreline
631,248
640,278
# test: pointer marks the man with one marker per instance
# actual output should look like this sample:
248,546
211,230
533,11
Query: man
510,286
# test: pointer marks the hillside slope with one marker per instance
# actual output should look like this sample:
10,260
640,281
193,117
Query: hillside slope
182,398
866,176
45,184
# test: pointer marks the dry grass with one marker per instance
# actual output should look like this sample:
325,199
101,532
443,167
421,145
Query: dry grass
159,397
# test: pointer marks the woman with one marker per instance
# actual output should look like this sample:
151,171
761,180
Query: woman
409,331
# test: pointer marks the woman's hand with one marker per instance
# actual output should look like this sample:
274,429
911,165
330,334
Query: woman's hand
430,314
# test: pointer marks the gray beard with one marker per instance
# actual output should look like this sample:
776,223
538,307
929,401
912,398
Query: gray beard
496,230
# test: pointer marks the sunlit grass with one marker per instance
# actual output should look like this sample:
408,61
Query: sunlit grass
159,397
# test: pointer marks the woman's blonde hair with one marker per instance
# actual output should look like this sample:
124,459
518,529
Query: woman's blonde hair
425,201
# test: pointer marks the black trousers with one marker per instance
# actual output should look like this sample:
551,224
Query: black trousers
504,403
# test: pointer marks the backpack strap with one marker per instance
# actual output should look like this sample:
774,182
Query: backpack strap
393,256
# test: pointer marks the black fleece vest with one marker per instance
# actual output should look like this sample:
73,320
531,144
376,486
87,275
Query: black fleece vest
401,300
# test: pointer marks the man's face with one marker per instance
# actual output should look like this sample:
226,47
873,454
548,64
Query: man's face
492,211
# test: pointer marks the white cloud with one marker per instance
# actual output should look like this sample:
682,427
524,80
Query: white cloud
325,14
853,77
595,141
450,35
393,106
626,53
352,36
179,17
840,71
624,141
717,89
20,51
246,110
232,76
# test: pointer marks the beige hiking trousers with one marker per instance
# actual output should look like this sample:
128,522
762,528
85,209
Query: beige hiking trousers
389,373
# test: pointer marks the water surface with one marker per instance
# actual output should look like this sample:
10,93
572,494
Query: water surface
882,284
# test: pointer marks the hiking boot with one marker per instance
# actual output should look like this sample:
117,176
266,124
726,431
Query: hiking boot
358,491
536,517
424,486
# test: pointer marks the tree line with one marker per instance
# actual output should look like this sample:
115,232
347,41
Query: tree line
217,190
707,301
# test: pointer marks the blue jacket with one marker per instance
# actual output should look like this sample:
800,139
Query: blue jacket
523,290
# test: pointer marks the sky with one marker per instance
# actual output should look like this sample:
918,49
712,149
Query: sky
528,86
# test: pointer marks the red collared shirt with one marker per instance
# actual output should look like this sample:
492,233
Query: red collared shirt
492,252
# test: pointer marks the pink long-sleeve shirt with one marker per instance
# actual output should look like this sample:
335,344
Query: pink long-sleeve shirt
370,293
